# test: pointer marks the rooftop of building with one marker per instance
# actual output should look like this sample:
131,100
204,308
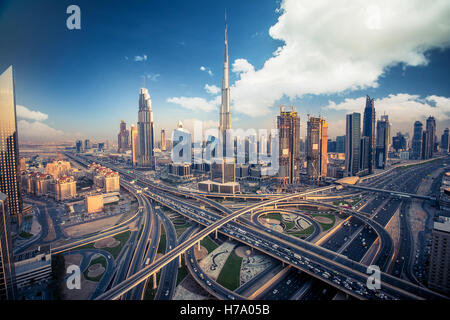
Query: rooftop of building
442,224
32,253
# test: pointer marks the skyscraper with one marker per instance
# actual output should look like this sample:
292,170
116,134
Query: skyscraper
369,131
134,145
426,145
123,138
9,146
431,127
163,140
288,124
352,143
399,142
444,140
79,146
145,130
7,289
87,144
340,144
417,141
316,152
225,116
382,149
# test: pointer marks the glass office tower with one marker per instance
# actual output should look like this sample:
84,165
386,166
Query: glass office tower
9,151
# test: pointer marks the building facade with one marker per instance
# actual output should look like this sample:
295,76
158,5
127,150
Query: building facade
439,270
134,145
65,188
123,143
369,131
431,128
444,140
9,146
316,148
417,141
163,140
382,143
7,287
352,143
145,131
288,124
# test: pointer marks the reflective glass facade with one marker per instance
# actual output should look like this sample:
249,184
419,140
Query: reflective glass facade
9,152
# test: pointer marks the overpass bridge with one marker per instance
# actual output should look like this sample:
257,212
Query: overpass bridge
333,262
391,192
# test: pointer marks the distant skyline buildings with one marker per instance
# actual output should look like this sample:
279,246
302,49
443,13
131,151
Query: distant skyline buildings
123,141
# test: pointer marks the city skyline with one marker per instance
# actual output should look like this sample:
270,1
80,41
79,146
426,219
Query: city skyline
413,80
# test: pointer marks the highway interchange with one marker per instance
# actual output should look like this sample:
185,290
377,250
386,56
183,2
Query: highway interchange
316,272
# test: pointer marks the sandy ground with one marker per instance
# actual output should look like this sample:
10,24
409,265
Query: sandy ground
87,287
90,227
252,263
189,289
106,243
200,254
417,215
325,220
207,265
95,270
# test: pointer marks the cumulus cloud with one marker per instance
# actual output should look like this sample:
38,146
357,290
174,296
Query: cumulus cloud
212,89
35,131
25,113
334,46
402,109
196,103
140,58
242,65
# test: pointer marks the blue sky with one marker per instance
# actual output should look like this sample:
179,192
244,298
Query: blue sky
81,83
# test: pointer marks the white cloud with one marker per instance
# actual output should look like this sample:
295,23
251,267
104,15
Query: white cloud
35,131
203,68
140,58
153,76
212,89
196,104
333,46
242,65
403,109
25,113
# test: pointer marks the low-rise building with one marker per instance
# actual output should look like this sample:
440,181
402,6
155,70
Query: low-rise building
33,267
65,188
94,203
217,187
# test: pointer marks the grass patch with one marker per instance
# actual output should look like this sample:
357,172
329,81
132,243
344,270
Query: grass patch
102,261
180,230
303,233
162,242
123,238
25,235
326,226
229,276
182,273
209,244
